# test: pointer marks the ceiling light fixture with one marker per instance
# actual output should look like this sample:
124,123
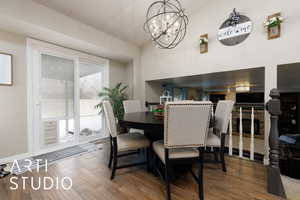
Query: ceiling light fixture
166,23
243,88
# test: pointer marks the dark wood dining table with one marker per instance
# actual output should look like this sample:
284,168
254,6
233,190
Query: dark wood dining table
152,125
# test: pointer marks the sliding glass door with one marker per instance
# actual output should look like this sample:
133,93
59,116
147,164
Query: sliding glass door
91,81
57,100
65,90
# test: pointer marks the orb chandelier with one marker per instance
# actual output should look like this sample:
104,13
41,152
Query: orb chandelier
166,23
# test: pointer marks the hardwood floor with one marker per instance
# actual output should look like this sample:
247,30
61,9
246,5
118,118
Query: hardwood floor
91,181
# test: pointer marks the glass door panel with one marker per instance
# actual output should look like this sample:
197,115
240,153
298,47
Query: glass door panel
90,84
57,100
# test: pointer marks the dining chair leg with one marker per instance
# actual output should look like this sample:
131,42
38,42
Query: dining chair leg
167,183
110,153
200,175
222,152
115,158
167,178
152,157
148,159
216,154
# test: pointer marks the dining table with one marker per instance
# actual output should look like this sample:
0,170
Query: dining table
152,125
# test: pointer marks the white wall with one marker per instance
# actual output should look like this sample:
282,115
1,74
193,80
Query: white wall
13,115
13,134
120,72
256,51
153,91
29,19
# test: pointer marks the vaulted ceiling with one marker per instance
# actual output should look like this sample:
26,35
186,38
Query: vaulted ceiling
121,18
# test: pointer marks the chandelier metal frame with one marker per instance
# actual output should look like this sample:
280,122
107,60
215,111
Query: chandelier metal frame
167,7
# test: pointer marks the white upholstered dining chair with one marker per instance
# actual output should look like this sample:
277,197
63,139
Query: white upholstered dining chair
122,143
216,137
132,106
186,126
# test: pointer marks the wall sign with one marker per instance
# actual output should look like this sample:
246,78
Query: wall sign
235,29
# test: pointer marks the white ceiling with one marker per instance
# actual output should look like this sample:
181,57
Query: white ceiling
121,18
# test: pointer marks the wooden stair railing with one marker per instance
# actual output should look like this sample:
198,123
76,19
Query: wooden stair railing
274,183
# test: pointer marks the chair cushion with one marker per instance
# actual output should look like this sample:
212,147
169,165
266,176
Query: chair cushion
132,141
159,149
213,140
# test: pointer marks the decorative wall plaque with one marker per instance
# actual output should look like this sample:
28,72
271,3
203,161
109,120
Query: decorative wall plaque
235,29
204,43
273,25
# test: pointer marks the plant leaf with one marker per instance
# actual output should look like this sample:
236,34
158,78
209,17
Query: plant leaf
115,96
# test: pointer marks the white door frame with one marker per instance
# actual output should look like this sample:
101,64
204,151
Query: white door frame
34,49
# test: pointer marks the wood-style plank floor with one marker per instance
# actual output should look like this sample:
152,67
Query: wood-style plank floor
91,181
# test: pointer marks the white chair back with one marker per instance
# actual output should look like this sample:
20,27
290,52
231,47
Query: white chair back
110,119
222,115
131,106
186,124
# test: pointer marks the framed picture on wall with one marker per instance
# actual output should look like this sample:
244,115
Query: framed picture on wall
6,69
274,31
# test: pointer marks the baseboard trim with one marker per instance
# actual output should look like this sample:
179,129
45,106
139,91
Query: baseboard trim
14,157
26,155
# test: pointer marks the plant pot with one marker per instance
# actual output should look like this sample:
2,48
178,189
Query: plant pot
274,32
203,48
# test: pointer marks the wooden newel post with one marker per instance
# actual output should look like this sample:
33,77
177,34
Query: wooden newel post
275,185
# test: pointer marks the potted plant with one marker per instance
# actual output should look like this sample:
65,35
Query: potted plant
203,43
203,40
273,25
273,21
115,96
159,111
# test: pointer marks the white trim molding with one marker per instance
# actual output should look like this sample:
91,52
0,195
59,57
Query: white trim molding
14,157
